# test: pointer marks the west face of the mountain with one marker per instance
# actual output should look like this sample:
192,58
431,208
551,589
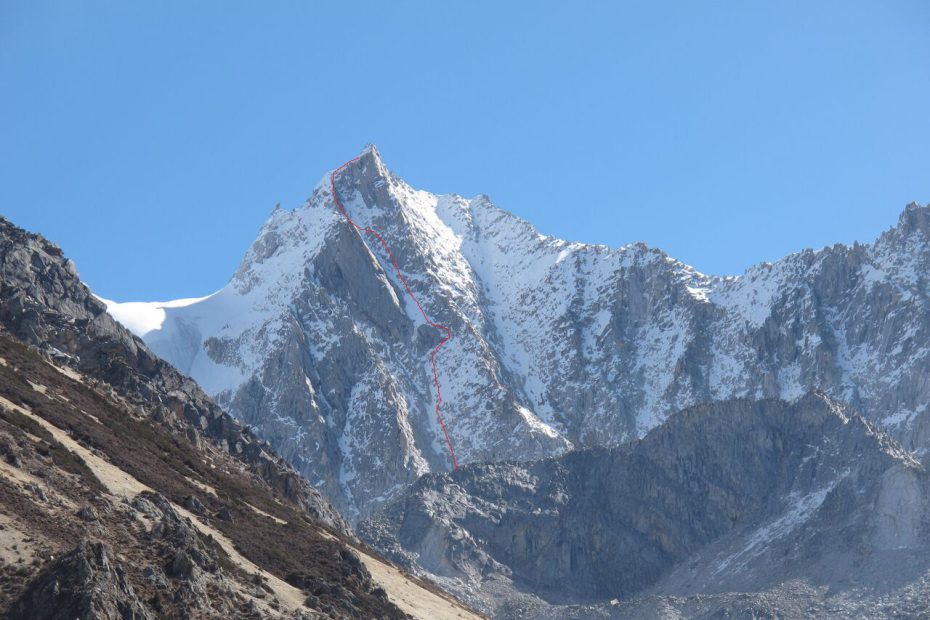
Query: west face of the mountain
315,344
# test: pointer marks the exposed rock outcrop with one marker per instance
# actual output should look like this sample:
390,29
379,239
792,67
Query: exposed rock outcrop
82,584
736,496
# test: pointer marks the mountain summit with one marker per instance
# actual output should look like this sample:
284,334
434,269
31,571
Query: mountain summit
316,346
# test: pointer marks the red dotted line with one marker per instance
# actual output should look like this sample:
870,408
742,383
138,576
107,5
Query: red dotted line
448,331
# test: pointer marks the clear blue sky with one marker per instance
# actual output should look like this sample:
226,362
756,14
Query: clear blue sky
152,139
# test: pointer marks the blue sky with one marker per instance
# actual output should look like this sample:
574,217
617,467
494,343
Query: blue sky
151,140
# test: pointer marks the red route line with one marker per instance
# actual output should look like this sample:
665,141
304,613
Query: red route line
332,180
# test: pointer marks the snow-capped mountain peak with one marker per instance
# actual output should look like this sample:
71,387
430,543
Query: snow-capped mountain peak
556,344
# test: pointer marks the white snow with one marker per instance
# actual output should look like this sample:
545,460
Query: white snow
797,513
142,317
533,421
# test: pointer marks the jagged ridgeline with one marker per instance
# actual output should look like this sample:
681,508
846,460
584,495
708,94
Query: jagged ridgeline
125,492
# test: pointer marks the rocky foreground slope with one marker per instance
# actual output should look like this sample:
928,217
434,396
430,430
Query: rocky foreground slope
731,509
125,492
314,344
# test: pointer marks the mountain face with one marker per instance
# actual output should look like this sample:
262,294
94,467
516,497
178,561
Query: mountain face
316,346
735,496
125,492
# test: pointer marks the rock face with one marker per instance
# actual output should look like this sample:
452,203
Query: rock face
82,584
315,344
736,496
